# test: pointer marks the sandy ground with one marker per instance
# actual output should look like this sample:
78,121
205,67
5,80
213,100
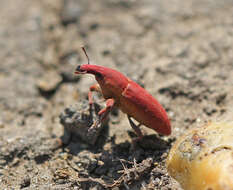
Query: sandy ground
180,51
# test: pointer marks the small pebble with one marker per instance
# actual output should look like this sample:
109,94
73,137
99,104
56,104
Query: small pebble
25,183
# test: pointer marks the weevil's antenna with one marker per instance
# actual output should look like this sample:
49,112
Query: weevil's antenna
88,61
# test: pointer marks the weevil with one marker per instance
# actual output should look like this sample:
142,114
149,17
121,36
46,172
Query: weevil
125,94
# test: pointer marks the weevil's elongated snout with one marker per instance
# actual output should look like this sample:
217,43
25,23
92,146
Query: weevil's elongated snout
80,70
96,70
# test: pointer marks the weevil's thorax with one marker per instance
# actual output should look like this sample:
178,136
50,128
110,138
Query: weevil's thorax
112,82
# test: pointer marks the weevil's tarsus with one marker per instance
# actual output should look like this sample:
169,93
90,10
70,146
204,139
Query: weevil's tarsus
94,128
102,115
135,128
88,60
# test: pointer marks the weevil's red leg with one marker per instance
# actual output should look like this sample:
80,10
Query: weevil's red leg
103,114
135,127
96,88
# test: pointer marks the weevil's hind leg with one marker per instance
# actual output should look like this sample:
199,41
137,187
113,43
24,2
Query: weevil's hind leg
136,128
95,88
103,114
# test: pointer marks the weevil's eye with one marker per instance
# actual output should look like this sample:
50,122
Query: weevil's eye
78,68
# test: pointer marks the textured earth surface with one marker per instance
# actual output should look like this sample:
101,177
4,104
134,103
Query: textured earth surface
180,51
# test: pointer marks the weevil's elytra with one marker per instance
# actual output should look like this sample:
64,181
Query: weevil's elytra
119,91
150,114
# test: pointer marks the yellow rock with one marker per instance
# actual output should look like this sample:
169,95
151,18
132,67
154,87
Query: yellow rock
202,159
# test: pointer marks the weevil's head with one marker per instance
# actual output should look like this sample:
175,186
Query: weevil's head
110,81
81,69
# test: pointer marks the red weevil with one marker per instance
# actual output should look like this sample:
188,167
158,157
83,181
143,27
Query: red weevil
119,91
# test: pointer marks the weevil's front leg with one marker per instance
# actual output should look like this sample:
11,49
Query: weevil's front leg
135,127
105,111
103,114
96,88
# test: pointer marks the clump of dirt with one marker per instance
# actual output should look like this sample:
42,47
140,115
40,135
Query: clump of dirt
78,121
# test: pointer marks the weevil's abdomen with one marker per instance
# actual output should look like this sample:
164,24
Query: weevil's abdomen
143,107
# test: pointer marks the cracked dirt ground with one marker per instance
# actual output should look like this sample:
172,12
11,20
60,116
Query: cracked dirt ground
180,51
